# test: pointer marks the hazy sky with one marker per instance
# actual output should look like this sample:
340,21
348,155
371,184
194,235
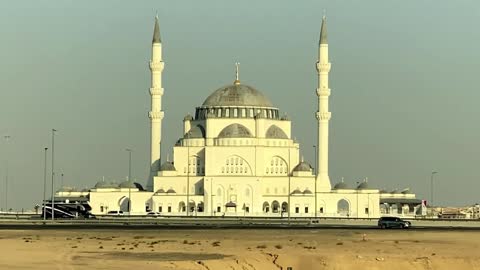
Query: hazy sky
404,83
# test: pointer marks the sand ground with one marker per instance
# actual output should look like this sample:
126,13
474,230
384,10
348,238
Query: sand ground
239,249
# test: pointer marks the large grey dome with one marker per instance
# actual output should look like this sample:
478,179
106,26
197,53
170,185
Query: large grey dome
237,95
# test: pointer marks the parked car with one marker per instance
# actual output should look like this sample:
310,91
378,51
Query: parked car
115,213
153,214
393,222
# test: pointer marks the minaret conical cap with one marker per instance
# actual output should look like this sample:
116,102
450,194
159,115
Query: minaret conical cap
323,31
156,32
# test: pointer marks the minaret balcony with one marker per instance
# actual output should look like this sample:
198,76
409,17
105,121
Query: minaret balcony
154,91
156,65
156,115
323,67
324,92
324,116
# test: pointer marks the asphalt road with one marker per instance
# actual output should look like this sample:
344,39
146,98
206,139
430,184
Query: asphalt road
227,223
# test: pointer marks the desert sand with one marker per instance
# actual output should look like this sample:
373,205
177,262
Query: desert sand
239,249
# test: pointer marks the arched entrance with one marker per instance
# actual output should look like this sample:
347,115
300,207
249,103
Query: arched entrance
343,207
266,207
124,204
275,206
284,207
182,207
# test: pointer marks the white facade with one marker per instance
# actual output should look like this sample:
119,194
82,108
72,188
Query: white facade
237,157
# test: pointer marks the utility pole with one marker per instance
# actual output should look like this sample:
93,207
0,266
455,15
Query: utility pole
7,139
315,182
188,173
431,187
45,184
53,174
129,178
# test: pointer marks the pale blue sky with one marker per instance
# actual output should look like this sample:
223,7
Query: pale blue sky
404,84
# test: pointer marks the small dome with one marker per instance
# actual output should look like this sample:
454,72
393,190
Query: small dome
195,132
170,190
307,191
237,95
167,166
383,191
103,184
235,131
275,132
406,191
67,189
127,184
297,191
395,191
85,190
340,185
160,191
363,185
303,167
188,117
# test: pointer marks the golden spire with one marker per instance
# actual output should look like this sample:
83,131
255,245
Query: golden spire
237,81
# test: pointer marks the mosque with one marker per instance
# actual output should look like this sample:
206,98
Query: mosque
236,157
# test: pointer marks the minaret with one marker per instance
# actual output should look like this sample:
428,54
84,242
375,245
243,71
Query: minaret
323,114
156,114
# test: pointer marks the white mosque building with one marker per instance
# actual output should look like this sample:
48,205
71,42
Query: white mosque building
236,157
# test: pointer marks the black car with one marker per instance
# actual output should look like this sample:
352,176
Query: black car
393,222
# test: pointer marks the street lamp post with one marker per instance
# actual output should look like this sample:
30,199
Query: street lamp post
315,175
45,184
288,167
53,173
188,173
7,138
431,186
129,178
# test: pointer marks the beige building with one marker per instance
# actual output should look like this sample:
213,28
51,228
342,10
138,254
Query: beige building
236,156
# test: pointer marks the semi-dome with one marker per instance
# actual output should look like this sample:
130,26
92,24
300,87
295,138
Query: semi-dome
171,190
303,167
275,132
235,131
160,191
195,132
167,166
340,185
237,95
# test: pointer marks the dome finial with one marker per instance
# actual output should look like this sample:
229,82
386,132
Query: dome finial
237,81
